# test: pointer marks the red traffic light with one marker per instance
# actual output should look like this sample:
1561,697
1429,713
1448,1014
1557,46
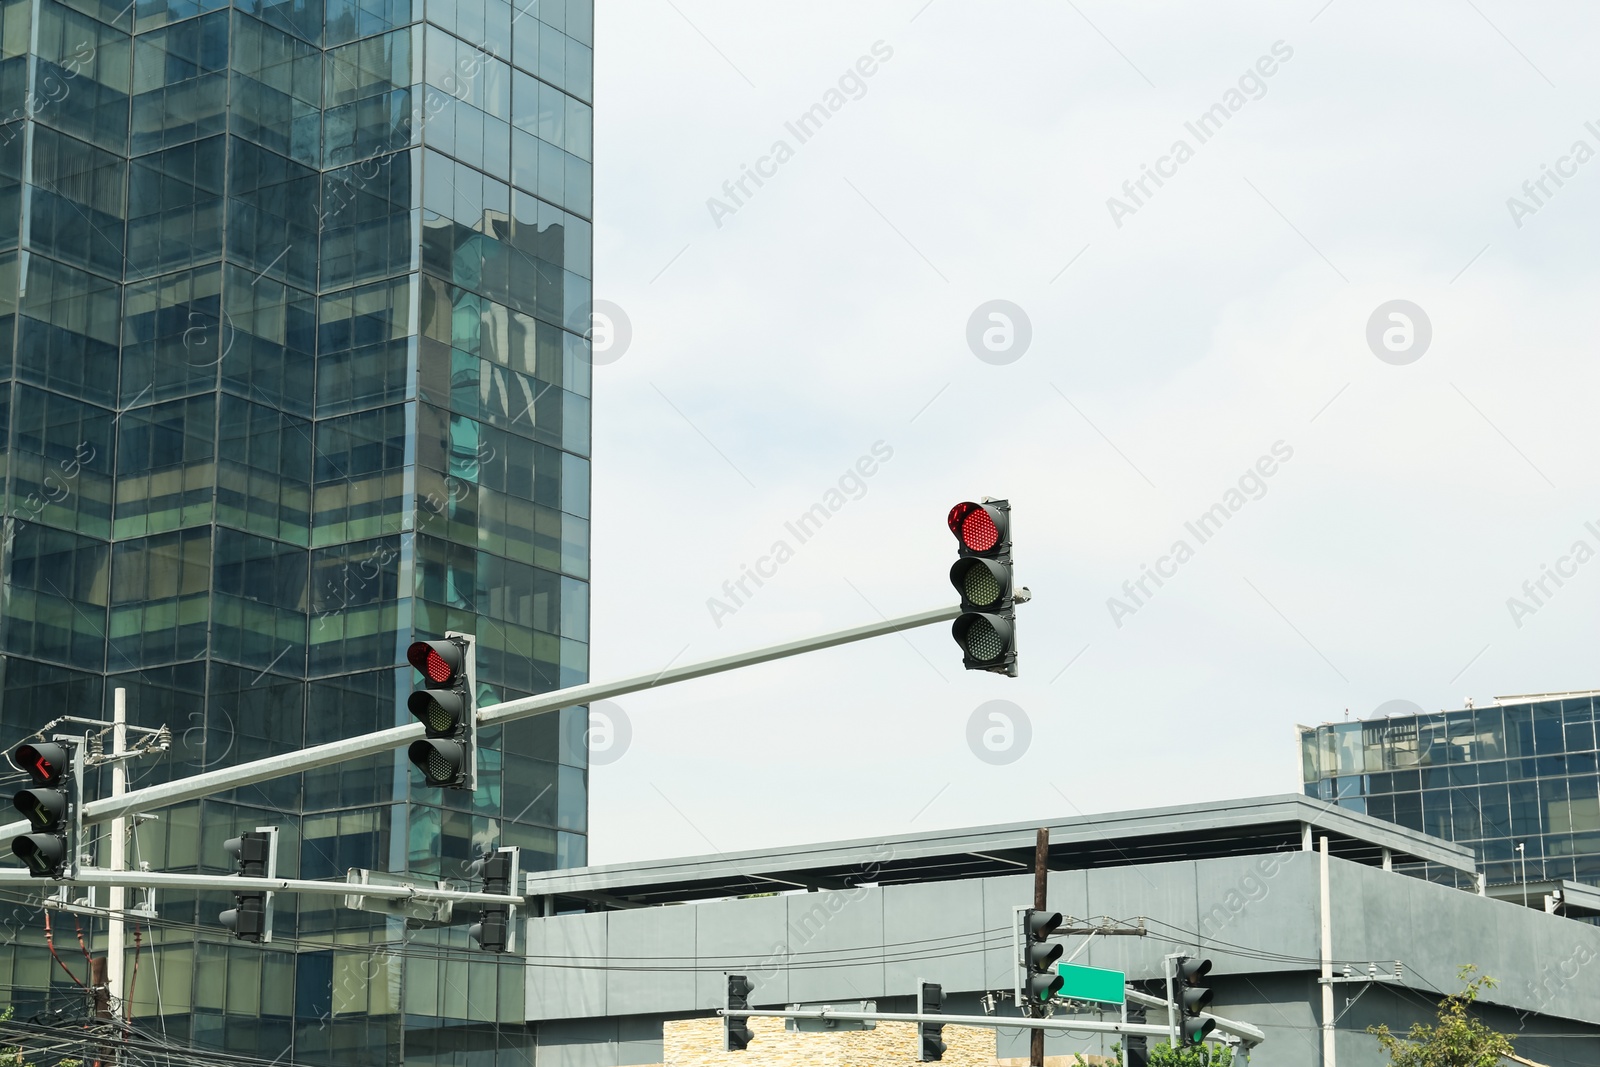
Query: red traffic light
979,527
439,661
46,764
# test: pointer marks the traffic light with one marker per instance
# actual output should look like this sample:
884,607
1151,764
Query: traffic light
447,756
498,870
736,1033
51,806
987,627
252,853
930,1001
1191,999
1041,981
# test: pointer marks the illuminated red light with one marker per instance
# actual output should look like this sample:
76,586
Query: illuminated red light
425,658
33,761
973,527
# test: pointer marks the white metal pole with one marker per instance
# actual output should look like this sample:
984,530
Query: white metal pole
308,759
116,931
1004,1022
13,876
1327,961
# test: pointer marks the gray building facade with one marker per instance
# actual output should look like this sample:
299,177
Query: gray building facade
623,951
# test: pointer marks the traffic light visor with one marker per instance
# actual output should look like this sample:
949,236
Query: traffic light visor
974,526
440,761
42,854
982,583
46,764
1191,969
980,637
45,809
1195,1030
439,661
439,711
1041,924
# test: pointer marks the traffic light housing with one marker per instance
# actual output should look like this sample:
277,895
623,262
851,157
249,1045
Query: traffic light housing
498,871
930,1001
51,804
736,1032
987,627
1191,997
252,854
447,756
1040,980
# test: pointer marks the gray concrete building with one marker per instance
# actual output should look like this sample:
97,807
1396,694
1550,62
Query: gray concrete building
620,955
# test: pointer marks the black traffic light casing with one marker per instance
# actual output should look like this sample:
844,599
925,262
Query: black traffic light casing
987,627
1040,980
52,804
494,931
1136,1047
448,755
252,855
930,1043
736,1032
1192,997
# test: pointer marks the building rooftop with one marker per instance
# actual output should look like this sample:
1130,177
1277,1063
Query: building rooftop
1153,835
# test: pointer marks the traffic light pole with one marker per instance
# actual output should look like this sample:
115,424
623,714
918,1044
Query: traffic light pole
206,783
116,929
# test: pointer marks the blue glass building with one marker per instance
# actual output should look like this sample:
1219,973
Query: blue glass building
292,369
1521,772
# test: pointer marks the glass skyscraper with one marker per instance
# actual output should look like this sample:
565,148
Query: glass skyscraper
1521,772
292,369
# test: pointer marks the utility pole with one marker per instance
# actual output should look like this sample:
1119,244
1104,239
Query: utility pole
1041,886
116,930
1327,961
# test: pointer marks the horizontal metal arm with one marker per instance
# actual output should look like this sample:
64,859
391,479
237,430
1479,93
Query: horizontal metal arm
206,783
1001,1022
238,884
1243,1031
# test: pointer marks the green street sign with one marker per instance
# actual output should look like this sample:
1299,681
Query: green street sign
1091,983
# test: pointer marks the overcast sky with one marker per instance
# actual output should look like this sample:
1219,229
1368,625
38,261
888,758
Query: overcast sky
1185,338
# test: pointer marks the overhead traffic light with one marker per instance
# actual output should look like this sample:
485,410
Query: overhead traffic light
249,918
736,1032
51,805
1191,999
930,1001
498,870
986,629
447,756
1040,980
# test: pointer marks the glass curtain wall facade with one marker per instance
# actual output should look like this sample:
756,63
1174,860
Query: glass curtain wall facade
1522,772
292,369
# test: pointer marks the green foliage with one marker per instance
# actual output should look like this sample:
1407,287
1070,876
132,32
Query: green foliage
1458,1040
1164,1055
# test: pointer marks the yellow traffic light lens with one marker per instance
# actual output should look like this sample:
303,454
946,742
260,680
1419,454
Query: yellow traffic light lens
437,719
980,586
983,643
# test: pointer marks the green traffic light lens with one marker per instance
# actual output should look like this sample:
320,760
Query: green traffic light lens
983,642
439,769
980,586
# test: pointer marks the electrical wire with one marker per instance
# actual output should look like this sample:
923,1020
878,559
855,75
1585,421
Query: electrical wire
50,943
133,979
